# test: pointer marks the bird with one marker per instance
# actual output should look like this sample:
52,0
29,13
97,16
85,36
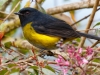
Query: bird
44,31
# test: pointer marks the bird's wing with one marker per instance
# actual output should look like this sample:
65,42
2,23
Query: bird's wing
55,28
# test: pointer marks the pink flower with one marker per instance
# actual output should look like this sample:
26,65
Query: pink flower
61,61
85,61
80,50
58,60
89,51
71,51
65,71
76,54
67,63
63,64
81,60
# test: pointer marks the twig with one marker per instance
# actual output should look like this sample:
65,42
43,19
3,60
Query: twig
95,43
26,60
83,18
39,2
85,30
3,15
92,42
13,10
72,6
90,21
24,44
5,5
8,26
94,64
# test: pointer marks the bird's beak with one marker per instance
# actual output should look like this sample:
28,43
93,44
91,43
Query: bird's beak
17,13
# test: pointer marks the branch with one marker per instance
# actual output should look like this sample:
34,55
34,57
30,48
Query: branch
39,2
5,5
82,18
24,44
94,64
8,26
90,21
12,10
95,43
72,6
3,15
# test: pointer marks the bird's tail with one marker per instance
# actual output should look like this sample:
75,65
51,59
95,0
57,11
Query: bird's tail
89,36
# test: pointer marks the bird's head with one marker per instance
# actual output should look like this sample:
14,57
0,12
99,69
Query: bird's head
27,15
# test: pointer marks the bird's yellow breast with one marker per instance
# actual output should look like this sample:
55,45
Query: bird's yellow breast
39,40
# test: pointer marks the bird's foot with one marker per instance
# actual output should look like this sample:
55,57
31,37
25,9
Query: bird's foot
46,52
59,44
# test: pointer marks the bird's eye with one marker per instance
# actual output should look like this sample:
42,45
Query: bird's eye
27,12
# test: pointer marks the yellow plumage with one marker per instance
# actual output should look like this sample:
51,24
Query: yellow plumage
39,40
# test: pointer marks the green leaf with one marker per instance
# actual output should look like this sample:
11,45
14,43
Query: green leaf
96,60
9,71
23,50
96,24
2,72
78,39
34,67
14,70
14,4
8,44
30,73
49,68
36,72
11,33
12,65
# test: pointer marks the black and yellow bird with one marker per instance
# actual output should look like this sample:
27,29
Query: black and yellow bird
44,31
